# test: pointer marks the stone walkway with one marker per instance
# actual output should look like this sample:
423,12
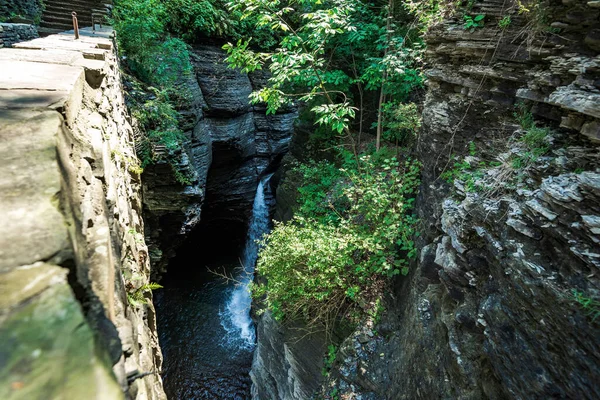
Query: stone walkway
47,349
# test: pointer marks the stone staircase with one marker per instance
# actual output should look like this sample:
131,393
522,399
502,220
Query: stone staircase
57,14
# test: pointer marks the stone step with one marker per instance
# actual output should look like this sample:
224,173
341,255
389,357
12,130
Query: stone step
47,31
65,21
67,11
57,13
75,3
55,26
77,9
65,15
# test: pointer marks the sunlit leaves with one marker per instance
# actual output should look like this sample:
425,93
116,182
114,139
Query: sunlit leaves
273,99
239,56
352,230
299,68
335,116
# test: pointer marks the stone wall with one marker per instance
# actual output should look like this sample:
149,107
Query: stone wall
75,318
26,11
15,33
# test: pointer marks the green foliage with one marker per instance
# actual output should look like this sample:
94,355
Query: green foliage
300,60
191,18
401,122
335,116
138,296
160,122
535,139
138,237
523,116
331,260
472,149
329,359
132,163
151,54
430,12
240,56
590,305
17,11
504,22
322,188
471,23
327,53
157,59
467,172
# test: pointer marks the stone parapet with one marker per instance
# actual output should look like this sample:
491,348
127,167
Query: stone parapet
15,33
73,261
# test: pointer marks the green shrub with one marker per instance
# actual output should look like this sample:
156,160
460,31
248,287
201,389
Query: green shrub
160,122
333,258
156,59
505,22
590,305
471,23
153,55
535,139
329,359
401,122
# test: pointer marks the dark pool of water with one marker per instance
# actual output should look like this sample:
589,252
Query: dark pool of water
202,360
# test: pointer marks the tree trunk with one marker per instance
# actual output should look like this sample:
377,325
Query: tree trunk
384,76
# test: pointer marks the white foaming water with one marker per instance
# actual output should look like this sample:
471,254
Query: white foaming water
236,316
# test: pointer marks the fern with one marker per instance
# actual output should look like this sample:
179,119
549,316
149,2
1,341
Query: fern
137,297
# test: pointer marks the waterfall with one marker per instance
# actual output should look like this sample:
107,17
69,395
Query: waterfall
236,316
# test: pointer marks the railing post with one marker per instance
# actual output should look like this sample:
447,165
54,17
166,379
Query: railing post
75,26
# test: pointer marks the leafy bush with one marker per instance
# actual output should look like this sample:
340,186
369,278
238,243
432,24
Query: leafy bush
402,121
534,140
160,60
150,52
160,122
471,23
504,22
330,55
333,258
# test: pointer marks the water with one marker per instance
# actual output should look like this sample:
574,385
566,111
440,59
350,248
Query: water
204,324
235,318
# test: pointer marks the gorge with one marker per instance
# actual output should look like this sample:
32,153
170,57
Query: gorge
126,171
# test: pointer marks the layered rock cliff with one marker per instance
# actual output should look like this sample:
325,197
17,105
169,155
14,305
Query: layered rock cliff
229,145
76,319
495,305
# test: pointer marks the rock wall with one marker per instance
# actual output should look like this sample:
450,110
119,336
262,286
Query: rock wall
489,310
31,10
75,319
229,145
15,33
287,362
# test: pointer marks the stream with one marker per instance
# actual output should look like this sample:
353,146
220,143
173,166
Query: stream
205,330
